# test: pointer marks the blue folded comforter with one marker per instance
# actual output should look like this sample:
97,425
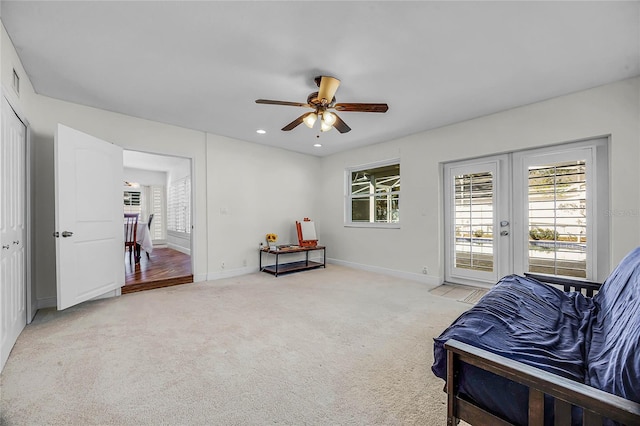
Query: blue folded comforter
589,340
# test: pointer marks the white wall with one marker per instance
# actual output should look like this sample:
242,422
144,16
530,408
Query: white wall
253,190
613,110
145,177
243,190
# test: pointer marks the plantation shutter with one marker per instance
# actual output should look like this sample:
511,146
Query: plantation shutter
558,218
179,206
158,227
132,202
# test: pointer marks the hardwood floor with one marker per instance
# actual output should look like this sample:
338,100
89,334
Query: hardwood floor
165,267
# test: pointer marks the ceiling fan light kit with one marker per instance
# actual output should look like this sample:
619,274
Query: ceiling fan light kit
321,101
310,119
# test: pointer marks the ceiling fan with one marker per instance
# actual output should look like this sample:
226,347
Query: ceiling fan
321,102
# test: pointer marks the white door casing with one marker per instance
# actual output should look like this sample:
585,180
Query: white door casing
13,282
89,224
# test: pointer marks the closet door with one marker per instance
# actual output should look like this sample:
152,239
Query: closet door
13,292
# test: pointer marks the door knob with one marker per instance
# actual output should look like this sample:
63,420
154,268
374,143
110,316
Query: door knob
504,223
16,242
66,234
6,247
503,233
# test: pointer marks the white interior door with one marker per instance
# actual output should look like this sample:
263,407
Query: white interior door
13,291
89,224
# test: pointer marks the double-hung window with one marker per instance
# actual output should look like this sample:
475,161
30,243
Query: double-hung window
373,195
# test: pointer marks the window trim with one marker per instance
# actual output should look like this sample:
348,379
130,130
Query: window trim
348,223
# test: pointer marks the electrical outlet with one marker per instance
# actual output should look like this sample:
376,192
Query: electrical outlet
222,264
425,270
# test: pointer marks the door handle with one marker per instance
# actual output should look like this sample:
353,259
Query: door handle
66,234
7,247
56,234
16,242
503,233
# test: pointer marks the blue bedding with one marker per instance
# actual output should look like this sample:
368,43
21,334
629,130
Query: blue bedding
613,351
590,340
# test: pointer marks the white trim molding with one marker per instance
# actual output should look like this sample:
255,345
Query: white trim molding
430,280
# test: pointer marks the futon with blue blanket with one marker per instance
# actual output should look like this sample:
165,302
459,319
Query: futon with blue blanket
529,352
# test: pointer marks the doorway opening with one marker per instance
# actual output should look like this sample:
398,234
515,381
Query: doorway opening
158,189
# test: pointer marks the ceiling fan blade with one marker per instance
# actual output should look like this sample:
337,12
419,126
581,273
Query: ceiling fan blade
355,107
328,87
287,103
340,125
295,123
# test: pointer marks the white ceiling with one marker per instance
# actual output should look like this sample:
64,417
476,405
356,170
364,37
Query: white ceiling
202,64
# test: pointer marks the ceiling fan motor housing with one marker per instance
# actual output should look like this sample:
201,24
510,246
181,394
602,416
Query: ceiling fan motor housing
315,102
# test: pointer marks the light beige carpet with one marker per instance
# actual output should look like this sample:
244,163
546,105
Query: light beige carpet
331,346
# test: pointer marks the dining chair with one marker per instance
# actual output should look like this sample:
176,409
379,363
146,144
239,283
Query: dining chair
130,235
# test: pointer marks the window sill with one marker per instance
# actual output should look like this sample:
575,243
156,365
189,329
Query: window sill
372,225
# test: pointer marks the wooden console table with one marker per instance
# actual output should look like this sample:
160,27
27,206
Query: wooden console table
302,265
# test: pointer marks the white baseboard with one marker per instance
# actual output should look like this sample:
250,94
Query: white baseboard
199,278
179,248
52,302
47,302
228,273
430,280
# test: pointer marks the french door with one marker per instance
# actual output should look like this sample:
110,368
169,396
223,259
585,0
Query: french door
540,211
477,220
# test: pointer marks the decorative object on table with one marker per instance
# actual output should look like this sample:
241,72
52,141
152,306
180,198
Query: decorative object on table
306,233
271,240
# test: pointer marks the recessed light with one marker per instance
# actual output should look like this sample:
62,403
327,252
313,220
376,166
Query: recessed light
317,145
261,131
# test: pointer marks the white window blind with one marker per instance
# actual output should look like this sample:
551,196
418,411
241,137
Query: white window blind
179,206
157,207
474,221
132,202
558,219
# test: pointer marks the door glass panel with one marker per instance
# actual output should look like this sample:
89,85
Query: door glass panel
473,212
558,219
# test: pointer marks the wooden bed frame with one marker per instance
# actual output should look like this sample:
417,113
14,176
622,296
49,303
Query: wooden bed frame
596,404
